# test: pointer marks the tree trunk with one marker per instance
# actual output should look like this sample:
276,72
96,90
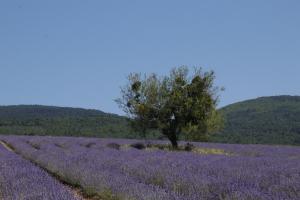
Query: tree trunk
171,135
173,140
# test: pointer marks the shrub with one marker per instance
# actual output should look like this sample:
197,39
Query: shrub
113,146
139,146
189,147
89,145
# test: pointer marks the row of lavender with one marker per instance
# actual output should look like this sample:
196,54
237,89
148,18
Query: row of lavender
248,172
21,180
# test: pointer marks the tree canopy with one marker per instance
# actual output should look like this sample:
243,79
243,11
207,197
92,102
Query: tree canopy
182,102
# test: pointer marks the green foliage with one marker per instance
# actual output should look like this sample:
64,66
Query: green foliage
58,121
174,104
269,120
266,120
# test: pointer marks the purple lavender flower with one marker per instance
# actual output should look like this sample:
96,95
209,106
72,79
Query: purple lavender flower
246,172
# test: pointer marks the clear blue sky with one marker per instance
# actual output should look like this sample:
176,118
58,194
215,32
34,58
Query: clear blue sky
78,52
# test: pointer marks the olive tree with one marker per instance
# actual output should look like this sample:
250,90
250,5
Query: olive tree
181,103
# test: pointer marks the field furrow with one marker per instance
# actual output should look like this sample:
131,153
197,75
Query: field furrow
111,169
21,180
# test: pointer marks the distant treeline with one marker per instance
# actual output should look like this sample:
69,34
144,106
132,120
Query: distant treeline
59,121
267,120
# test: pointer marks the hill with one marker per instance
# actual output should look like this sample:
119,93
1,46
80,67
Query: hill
265,120
50,120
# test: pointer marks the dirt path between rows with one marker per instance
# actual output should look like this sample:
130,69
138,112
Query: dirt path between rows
76,192
6,146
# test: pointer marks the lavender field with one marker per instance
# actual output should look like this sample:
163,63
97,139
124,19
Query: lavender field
19,179
110,169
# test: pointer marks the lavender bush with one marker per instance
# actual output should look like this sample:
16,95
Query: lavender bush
212,171
21,180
